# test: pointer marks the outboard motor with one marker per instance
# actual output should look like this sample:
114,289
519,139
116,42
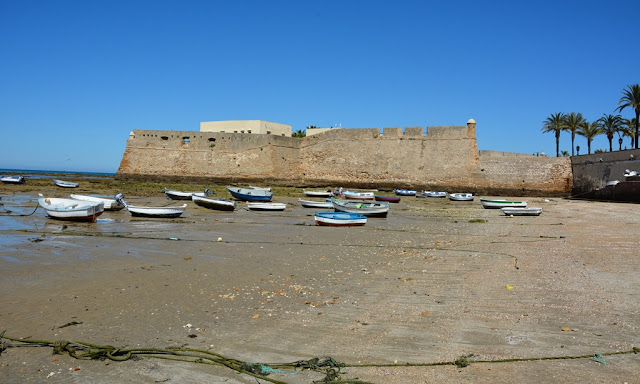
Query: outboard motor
207,192
120,199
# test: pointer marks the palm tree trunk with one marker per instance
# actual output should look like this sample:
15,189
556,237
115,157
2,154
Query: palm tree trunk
558,144
573,136
637,116
589,146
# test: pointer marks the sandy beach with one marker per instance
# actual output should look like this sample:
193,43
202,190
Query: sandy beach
434,281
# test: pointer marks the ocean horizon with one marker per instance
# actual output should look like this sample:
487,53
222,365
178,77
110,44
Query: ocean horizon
47,174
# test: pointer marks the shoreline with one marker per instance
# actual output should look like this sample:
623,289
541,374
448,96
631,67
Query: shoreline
429,283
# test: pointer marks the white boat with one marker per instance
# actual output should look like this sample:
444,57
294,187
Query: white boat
354,195
71,209
365,208
154,212
461,196
317,193
260,206
520,211
110,203
65,184
177,195
434,194
501,203
268,189
339,219
315,204
13,180
208,202
405,192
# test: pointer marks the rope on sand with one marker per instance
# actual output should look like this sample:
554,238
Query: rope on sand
328,366
22,214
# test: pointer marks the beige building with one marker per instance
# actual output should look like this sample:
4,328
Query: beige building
246,126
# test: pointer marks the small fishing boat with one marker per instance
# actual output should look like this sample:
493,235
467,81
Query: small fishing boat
521,211
317,193
501,203
249,194
110,203
177,195
259,206
461,196
65,184
315,204
13,180
388,199
405,192
365,208
339,219
218,204
433,194
71,209
152,212
354,195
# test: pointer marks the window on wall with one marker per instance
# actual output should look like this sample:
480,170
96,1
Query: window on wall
185,140
164,137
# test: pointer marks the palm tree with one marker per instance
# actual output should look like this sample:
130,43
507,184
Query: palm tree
589,131
631,99
299,133
627,129
610,124
572,122
555,124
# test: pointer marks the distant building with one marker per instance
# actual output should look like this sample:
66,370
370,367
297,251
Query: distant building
315,131
246,126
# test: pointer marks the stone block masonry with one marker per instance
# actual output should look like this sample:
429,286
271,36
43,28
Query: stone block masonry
446,158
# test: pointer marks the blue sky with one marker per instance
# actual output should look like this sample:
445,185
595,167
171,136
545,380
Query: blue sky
77,76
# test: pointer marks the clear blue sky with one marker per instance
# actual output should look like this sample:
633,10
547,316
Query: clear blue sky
77,76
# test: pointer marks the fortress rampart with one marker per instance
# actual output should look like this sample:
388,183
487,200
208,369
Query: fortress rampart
444,158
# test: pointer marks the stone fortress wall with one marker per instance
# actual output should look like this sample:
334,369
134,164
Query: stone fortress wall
445,158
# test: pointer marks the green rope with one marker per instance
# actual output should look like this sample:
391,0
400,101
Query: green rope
327,365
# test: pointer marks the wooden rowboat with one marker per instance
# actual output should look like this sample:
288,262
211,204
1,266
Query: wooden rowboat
250,194
110,203
315,204
339,219
365,208
521,211
461,196
211,203
501,203
152,212
260,206
354,195
177,195
70,209
405,192
13,180
65,184
317,193
388,199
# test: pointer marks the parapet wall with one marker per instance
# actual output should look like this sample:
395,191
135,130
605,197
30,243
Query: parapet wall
594,171
444,158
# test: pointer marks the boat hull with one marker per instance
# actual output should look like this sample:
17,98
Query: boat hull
350,195
109,204
65,184
258,206
216,204
157,212
13,180
365,208
496,204
315,204
388,199
246,194
317,193
339,219
405,192
71,210
461,197
515,211
178,195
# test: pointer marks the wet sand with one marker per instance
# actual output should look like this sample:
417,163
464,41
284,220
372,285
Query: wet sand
433,281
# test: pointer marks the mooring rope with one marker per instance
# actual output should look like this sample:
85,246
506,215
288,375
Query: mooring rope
327,365
22,214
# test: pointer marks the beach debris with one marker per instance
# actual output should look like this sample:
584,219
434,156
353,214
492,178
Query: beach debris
425,314
188,325
598,358
51,374
219,239
565,329
70,324
187,257
513,340
256,316
174,238
509,287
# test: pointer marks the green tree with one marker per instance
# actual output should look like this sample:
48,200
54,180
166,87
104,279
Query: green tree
610,124
572,122
555,124
299,133
631,98
628,129
589,131
565,153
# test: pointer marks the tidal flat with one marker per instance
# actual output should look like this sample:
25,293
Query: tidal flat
435,281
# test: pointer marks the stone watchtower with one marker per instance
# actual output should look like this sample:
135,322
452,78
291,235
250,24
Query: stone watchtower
471,128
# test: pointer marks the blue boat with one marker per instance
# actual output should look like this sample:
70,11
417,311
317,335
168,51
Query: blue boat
250,194
405,192
339,219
